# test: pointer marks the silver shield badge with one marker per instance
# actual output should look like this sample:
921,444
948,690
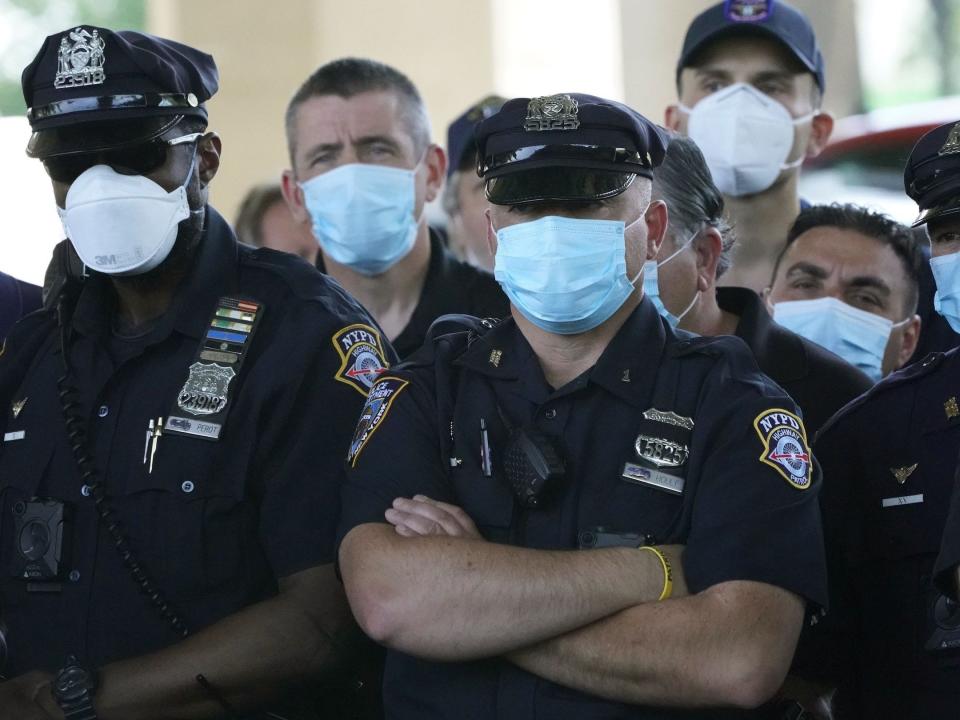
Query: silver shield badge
661,452
205,392
81,60
555,112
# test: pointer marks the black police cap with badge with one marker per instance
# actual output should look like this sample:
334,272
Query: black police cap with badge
601,144
91,89
932,174
769,18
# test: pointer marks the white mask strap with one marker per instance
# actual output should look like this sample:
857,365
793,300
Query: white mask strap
693,302
679,250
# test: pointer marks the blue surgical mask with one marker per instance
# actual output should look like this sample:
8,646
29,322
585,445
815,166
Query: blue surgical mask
363,215
651,287
946,301
566,275
859,337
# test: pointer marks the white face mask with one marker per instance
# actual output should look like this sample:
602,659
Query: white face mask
746,138
123,224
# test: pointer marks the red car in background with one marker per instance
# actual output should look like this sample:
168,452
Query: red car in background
863,163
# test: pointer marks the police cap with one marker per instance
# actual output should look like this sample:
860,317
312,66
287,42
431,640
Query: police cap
90,89
461,143
932,175
771,18
601,146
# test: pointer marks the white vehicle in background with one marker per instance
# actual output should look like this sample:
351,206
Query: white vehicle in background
863,163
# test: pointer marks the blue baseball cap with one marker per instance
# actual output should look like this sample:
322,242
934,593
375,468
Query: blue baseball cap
461,145
770,18
90,88
565,147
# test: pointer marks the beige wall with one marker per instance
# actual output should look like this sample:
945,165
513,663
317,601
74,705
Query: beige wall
265,54
448,48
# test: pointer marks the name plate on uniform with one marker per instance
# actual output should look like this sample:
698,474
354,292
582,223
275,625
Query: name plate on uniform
903,500
15,435
653,478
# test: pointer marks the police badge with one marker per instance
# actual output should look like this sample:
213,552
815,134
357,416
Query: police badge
555,112
81,60
205,392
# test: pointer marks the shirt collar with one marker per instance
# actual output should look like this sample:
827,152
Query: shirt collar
627,367
772,346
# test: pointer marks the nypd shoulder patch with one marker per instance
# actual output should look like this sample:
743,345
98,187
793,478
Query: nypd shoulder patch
374,412
361,356
785,447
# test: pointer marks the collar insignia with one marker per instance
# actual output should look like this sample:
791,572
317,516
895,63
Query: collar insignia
902,473
951,409
554,112
669,417
495,356
952,144
17,407
81,60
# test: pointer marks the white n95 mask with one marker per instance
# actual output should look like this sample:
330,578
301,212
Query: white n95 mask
745,136
123,224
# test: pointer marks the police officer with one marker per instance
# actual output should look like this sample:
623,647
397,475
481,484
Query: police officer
463,195
362,170
172,432
17,298
583,420
889,461
682,283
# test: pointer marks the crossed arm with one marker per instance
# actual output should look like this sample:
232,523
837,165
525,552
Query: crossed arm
432,587
249,657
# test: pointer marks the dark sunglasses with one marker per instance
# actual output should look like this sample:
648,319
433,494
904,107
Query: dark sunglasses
141,159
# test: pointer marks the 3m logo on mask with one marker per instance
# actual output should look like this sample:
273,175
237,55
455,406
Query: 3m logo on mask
555,112
785,446
80,61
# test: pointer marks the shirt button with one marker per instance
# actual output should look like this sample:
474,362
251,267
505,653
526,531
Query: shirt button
103,411
74,576
187,486
85,491
550,414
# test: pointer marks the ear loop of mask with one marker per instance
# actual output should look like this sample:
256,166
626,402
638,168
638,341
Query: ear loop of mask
696,295
636,277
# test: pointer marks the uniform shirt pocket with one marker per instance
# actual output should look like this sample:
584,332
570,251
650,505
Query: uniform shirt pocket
187,519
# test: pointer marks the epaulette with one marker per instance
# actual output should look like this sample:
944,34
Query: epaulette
449,336
904,376
305,282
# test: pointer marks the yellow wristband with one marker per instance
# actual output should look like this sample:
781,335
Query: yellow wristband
667,572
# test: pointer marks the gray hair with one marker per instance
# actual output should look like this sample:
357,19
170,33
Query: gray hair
684,183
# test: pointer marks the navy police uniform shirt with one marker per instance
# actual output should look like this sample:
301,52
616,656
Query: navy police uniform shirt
214,523
746,508
451,286
17,298
949,557
889,460
819,381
